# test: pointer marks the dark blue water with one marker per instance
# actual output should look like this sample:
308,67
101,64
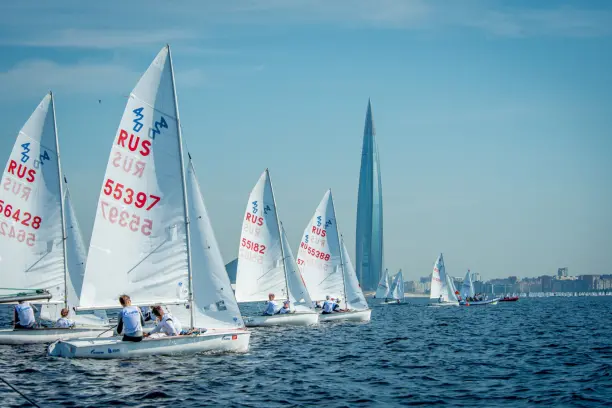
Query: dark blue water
553,351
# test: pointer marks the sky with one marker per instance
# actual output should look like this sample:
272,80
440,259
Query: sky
493,118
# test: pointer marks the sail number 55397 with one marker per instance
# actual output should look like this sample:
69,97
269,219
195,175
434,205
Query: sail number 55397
128,196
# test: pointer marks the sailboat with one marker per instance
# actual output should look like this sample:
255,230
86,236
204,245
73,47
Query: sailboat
467,291
442,289
40,241
266,263
397,293
326,266
384,286
152,237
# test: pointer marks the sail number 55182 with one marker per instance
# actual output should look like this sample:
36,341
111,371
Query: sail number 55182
128,196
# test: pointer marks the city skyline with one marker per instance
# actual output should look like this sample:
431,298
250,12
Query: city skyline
492,118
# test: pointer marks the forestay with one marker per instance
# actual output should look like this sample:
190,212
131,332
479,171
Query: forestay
319,253
31,225
260,268
214,304
354,295
299,297
384,286
139,241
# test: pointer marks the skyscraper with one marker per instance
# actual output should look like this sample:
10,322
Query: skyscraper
369,237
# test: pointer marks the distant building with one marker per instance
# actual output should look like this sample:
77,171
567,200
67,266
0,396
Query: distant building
562,272
546,283
476,277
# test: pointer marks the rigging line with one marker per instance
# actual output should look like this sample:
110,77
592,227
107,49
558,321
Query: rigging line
19,392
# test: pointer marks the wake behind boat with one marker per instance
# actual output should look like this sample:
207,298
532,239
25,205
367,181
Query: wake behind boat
142,238
266,266
41,249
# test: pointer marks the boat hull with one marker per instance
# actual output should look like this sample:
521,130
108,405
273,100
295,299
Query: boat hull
289,319
351,316
440,304
113,348
511,299
40,336
481,303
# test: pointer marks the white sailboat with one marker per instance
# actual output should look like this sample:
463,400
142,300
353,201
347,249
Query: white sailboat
326,266
442,290
384,286
467,291
266,263
39,237
146,244
397,292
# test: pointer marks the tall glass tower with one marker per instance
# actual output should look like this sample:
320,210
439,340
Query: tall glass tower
369,238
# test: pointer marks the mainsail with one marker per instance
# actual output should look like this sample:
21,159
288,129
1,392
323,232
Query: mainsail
32,246
319,256
397,290
139,243
261,267
467,288
354,295
384,286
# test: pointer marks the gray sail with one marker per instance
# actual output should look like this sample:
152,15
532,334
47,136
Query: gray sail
369,239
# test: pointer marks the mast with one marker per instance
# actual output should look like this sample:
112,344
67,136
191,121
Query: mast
61,186
340,241
278,225
185,206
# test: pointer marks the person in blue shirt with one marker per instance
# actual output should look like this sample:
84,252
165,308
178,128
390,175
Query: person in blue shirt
328,306
271,306
24,315
130,320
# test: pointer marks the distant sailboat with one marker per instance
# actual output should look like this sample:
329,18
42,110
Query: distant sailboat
40,241
146,244
442,289
326,267
467,292
266,263
384,286
397,292
369,228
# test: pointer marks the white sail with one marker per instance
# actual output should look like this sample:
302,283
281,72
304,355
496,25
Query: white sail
452,295
354,295
384,286
214,304
299,297
75,262
319,255
467,288
31,225
438,283
397,290
260,268
139,240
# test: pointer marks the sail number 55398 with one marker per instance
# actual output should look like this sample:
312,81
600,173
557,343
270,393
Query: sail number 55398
129,196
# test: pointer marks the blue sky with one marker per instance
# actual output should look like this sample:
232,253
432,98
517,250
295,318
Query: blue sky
493,117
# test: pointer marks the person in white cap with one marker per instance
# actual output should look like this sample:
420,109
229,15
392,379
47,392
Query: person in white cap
271,306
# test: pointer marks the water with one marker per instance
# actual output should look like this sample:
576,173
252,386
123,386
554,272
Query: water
549,351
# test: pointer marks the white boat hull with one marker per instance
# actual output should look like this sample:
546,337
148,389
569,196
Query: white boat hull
289,319
351,316
110,348
439,304
481,303
40,336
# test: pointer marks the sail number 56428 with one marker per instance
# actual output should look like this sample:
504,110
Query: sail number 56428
119,192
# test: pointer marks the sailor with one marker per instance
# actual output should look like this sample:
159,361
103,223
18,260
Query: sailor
130,320
271,306
285,309
146,313
316,304
440,299
63,321
336,306
328,306
24,315
168,325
